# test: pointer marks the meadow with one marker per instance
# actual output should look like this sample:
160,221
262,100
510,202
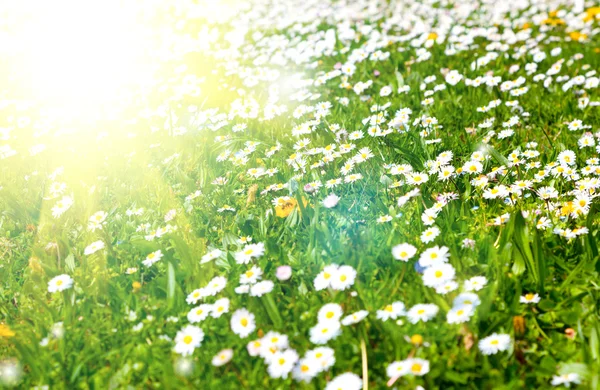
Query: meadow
309,194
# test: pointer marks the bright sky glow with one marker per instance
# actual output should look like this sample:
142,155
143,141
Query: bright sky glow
76,57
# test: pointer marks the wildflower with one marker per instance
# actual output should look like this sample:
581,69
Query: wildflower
211,255
222,358
152,258
60,283
282,363
459,314
403,252
354,318
5,331
220,307
494,344
530,298
199,313
422,312
93,248
284,206
331,201
249,252
392,311
325,331
242,323
261,288
566,379
433,256
418,367
283,272
346,381
188,339
438,274
330,312
476,283
344,277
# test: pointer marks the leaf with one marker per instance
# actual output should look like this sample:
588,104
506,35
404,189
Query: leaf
70,263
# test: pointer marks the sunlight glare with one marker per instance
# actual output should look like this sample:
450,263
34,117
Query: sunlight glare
79,57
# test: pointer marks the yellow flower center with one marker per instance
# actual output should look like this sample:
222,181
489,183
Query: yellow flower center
416,339
329,314
416,368
188,339
244,322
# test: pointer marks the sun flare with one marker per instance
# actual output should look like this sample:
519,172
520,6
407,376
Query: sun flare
78,59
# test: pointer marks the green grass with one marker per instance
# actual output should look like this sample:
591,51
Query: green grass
102,346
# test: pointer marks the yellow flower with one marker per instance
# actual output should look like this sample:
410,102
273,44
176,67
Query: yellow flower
590,13
577,36
416,339
136,286
285,208
5,331
432,36
567,208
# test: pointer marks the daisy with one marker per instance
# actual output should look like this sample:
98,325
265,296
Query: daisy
430,234
153,258
392,311
344,277
433,256
242,323
447,287
215,253
476,283
306,370
346,381
93,248
422,312
355,318
403,252
254,347
325,331
61,206
250,251
261,288
331,201
530,298
566,379
196,295
466,299
494,344
187,339
438,274
282,363
222,357
199,313
418,367
324,356
330,312
251,276
459,314
397,369
215,286
60,283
